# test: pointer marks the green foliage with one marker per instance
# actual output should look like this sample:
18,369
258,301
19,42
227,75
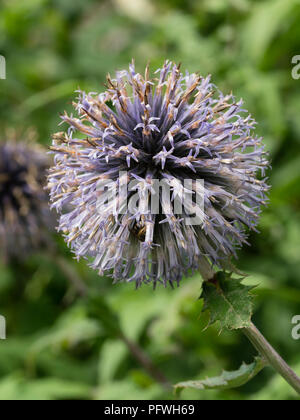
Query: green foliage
59,348
16,388
227,380
228,301
100,311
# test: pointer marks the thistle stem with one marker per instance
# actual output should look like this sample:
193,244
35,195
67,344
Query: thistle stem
146,362
272,357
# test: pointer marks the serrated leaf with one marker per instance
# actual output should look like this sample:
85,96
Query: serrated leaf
228,301
228,380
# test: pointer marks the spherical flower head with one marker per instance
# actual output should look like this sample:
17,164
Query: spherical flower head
174,129
24,209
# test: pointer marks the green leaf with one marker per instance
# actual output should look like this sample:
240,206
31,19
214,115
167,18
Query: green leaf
113,353
228,301
128,390
70,330
17,387
227,380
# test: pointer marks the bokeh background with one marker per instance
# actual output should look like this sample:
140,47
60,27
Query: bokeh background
55,348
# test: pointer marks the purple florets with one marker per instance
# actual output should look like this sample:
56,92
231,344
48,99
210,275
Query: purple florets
25,217
172,128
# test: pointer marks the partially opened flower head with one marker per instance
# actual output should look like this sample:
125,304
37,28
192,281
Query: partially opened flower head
171,128
25,216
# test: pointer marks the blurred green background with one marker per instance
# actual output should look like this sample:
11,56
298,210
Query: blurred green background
55,348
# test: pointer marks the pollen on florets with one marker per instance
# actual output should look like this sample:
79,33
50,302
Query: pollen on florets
172,127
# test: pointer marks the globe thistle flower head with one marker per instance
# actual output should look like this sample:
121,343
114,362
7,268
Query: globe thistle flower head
24,209
172,128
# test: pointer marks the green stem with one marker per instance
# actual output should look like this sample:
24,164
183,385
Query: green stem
272,357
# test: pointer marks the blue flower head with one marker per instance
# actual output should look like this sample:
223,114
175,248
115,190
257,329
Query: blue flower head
173,127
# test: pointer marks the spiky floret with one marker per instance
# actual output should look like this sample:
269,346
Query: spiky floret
173,127
24,209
